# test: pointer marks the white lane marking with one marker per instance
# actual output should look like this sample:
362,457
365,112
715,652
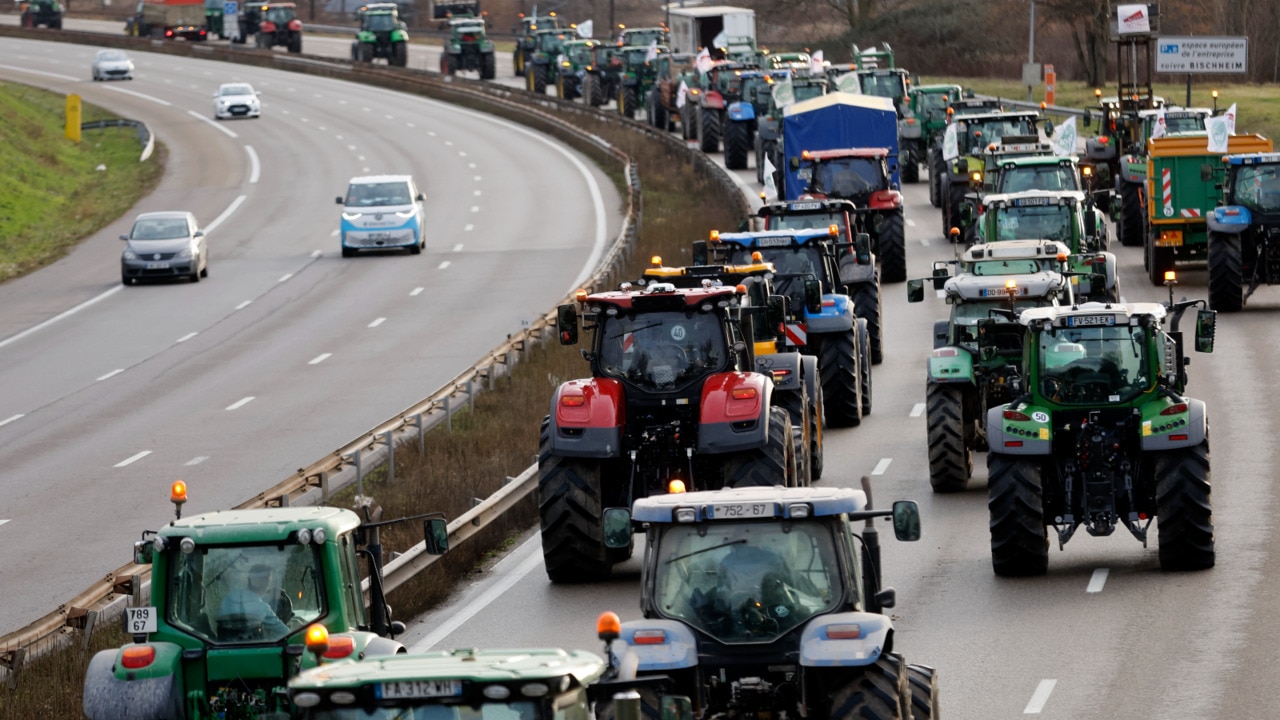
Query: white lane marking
213,123
255,168
111,374
364,170
475,208
462,153
320,358
316,253
197,460
367,109
463,615
431,133
468,228
225,214
443,265
3,521
240,403
1040,697
285,277
917,410
45,74
65,314
243,305
144,96
390,117
409,124
8,420
377,322
882,466
449,143
477,178
911,223
360,158
187,337
135,458
351,147
924,241
471,165
1098,580
416,292
477,193
334,233
457,248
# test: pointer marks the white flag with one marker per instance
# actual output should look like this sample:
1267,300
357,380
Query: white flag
680,94
1221,128
1161,125
586,28
770,187
950,144
815,64
653,52
720,40
784,93
849,83
703,61
1064,139
1231,119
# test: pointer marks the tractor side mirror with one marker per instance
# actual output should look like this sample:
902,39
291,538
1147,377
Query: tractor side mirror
940,275
1048,128
862,248
1206,172
436,534
143,552
812,294
1206,323
915,291
567,324
906,520
676,707
616,523
1088,118
777,309
700,252
339,200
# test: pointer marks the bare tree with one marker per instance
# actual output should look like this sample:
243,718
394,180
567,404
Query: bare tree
1088,21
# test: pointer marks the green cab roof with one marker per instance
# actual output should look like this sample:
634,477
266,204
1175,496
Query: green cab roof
468,665
261,524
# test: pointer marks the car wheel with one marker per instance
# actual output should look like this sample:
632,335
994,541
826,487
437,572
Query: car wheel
125,279
204,271
348,252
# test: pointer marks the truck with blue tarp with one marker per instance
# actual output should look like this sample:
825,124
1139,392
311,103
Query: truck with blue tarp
836,121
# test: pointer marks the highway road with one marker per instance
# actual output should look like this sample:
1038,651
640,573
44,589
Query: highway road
1104,634
287,351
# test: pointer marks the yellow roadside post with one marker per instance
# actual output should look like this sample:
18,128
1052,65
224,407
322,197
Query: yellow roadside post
73,118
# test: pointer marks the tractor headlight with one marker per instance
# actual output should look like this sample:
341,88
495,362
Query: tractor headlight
187,545
304,536
318,536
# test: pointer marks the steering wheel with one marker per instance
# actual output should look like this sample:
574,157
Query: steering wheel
672,350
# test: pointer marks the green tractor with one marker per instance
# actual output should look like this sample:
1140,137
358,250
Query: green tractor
936,166
600,78
541,65
994,282
232,596
382,34
526,44
578,56
645,36
1102,435
34,13
468,48
965,140
642,67
924,118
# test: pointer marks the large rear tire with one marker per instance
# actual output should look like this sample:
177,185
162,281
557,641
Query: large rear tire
922,681
627,101
864,366
709,130
737,145
911,171
1015,499
689,121
952,195
773,464
1184,511
879,692
891,248
950,457
591,90
1226,272
936,169
537,80
866,303
796,403
570,507
295,42
838,367
488,66
366,53
1129,224
817,409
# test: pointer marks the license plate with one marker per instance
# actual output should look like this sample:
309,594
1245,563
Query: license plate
1090,320
773,241
419,689
806,206
139,620
722,511
379,236
157,266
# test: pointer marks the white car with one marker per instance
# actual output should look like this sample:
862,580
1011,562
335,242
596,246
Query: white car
236,100
112,65
381,212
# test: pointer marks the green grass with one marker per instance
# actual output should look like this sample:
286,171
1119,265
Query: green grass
51,194
1257,106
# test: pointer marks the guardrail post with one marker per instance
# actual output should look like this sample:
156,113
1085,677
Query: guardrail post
135,590
391,458
355,459
90,620
448,411
324,486
422,436
16,658
471,395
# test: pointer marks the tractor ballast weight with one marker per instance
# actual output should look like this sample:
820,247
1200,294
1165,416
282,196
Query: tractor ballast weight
1244,231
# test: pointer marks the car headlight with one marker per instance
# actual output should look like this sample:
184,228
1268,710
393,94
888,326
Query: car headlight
350,216
130,255
183,254
406,213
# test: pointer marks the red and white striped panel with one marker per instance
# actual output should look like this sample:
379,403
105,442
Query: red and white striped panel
1190,213
797,334
628,342
1166,187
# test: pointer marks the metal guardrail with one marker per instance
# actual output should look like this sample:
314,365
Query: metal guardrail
145,136
1049,109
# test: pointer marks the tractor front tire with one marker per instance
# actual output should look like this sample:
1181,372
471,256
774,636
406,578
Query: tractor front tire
400,54
838,367
1129,223
796,403
922,681
879,692
627,102
773,464
891,248
709,130
488,66
366,53
1184,511
911,171
570,507
1226,272
537,79
1015,499
737,145
950,457
936,169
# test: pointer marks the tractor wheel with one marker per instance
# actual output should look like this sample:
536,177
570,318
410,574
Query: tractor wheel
864,366
953,196
1129,224
1226,272
366,53
570,506
796,403
922,681
910,171
1184,511
1019,541
627,101
838,367
891,248
936,169
656,112
773,464
589,85
689,121
560,91
737,144
348,252
866,304
879,692
400,54
709,130
488,66
758,146
813,388
950,457
517,62
295,42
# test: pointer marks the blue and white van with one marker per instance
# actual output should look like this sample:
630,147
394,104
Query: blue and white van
381,212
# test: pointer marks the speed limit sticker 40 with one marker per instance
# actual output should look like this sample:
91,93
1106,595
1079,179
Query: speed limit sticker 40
139,620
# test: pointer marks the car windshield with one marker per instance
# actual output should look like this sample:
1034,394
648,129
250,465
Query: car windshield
890,85
378,194
232,90
1034,222
111,56
379,22
660,351
1017,178
160,229
1257,187
747,582
1093,364
280,15
849,177
430,710
246,593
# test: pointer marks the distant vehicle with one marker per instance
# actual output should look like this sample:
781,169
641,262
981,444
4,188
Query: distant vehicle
35,13
164,245
381,212
112,65
168,20
236,100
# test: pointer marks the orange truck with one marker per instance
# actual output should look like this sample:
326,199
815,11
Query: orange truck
168,19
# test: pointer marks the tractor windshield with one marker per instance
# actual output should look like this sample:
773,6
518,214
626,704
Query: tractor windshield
747,582
1008,334
1017,178
805,221
1257,187
889,85
427,709
933,102
379,22
551,42
239,594
1179,123
662,351
808,91
849,177
580,54
979,133
281,15
1094,363
1034,222
1005,267
793,265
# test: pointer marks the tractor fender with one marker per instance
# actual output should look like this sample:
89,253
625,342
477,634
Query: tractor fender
812,378
818,650
1196,429
729,423
767,128
908,130
678,649
267,26
1013,444
854,273
784,368
941,330
112,691
713,99
1095,150
885,200
295,25
1229,219
836,315
742,111
591,427
950,365
1110,268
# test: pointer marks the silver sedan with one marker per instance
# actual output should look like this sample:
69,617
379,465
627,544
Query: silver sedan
164,245
112,65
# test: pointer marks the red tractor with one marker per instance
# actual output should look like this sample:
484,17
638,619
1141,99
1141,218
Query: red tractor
278,24
673,402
